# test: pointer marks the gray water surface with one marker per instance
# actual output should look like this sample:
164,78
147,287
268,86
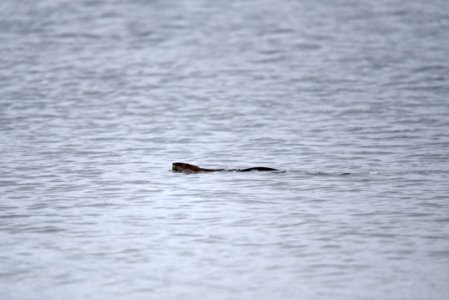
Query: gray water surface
98,98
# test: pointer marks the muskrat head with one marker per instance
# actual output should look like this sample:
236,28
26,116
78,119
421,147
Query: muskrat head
185,168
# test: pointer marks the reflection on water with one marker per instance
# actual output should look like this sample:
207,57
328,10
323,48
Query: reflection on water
98,98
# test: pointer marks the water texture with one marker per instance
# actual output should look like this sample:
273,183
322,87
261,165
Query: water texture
98,98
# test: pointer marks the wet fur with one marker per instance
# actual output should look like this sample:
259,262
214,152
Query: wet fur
188,168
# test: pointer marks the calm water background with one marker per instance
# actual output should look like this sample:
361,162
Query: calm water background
98,98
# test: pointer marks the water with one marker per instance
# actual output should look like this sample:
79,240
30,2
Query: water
98,98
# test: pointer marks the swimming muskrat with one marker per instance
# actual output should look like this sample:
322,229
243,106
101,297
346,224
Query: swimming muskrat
188,168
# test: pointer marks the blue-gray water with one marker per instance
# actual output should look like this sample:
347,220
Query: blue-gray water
98,98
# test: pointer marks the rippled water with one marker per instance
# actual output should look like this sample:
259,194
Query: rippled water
98,98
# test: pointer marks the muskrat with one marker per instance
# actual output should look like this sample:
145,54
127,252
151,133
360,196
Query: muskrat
188,168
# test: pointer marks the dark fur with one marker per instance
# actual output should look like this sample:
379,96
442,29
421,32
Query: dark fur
188,168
